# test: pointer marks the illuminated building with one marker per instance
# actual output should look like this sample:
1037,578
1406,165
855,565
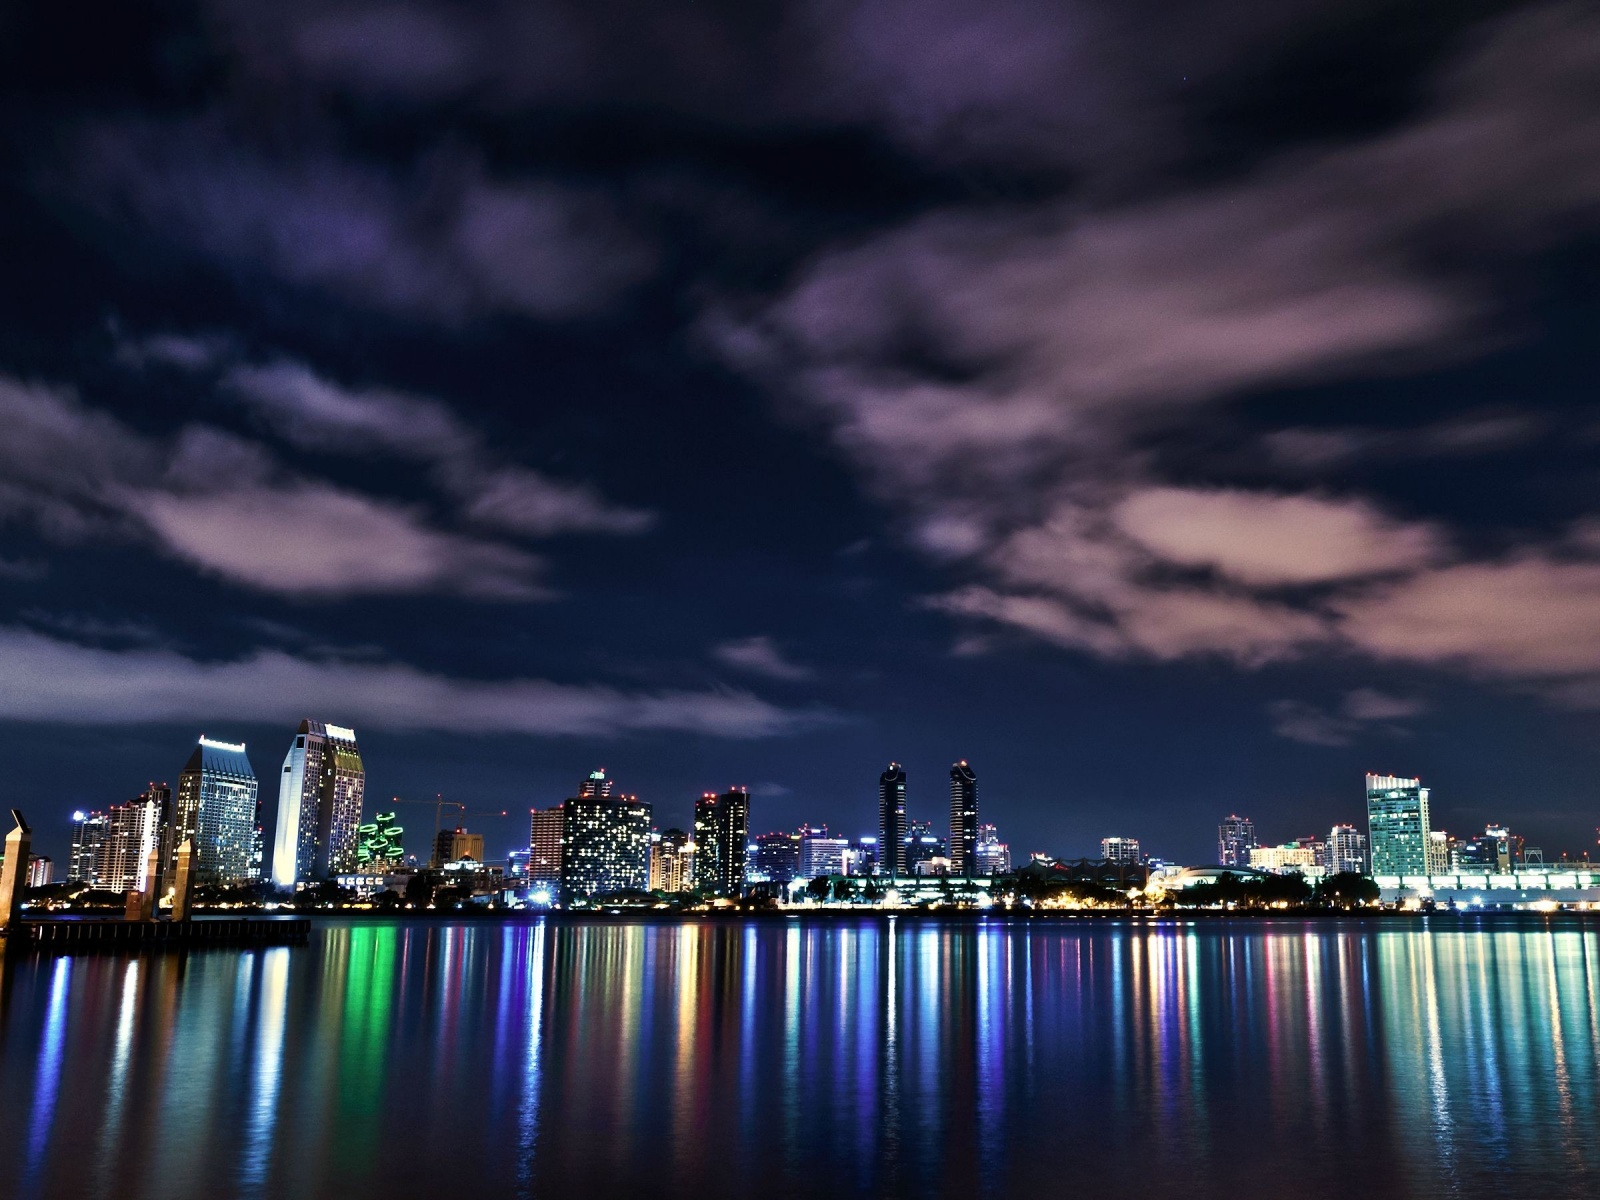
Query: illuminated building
994,856
671,862
721,833
1440,851
1291,859
605,842
88,831
1497,850
41,871
963,819
921,844
319,806
456,845
1345,850
821,854
132,830
378,848
862,857
544,846
1236,837
892,820
1120,849
218,807
778,856
1397,826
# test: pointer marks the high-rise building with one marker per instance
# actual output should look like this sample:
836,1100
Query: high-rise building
671,861
41,871
605,842
1345,850
892,821
1397,825
820,853
1236,837
132,831
378,850
721,833
319,806
963,819
1441,849
454,845
544,846
1120,850
994,856
778,856
88,831
218,808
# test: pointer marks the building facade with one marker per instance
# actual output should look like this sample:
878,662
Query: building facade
892,828
822,854
963,819
1398,831
131,832
1236,837
544,846
994,856
379,849
671,861
1120,849
778,856
218,806
1345,850
456,845
721,836
1291,859
605,845
320,794
88,831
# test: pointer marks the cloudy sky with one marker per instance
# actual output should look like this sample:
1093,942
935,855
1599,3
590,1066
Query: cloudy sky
1172,409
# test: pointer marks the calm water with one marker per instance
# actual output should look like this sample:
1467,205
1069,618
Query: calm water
815,1058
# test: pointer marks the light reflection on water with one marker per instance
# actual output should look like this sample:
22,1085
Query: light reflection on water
896,1057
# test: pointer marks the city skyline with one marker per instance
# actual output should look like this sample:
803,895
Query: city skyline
758,423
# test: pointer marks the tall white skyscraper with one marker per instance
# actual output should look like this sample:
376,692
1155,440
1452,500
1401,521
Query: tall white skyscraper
319,806
1346,850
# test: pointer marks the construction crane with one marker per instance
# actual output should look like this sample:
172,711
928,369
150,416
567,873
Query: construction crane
439,804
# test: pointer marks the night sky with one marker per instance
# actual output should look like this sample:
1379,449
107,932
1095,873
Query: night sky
1174,409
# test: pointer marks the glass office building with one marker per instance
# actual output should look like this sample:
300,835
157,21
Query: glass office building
1398,833
217,807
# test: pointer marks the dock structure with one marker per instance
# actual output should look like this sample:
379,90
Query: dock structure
81,937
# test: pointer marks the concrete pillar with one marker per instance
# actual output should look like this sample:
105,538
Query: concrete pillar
183,888
14,876
132,906
152,887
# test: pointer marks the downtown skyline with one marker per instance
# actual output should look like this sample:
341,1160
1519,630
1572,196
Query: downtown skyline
1175,416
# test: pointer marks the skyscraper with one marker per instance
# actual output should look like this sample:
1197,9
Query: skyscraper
1124,850
319,806
1345,850
605,841
454,845
132,830
544,846
217,808
379,850
1236,837
1397,825
963,819
88,831
892,821
721,832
